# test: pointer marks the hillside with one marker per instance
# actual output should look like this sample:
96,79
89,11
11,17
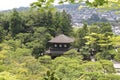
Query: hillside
89,15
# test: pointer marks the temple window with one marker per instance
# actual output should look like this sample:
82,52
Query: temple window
60,45
55,45
65,45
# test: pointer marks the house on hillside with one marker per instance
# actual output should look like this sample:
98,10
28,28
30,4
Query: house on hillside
59,45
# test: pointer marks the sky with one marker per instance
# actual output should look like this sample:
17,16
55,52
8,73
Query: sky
10,4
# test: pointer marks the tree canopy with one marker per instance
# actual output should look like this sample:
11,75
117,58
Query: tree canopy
24,39
107,4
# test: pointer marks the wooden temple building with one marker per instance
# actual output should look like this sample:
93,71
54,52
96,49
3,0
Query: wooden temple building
59,45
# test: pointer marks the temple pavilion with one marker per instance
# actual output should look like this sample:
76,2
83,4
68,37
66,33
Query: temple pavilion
59,45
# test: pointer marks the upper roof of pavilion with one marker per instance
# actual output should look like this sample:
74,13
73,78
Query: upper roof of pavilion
61,39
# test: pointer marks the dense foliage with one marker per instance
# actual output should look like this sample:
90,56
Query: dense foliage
24,37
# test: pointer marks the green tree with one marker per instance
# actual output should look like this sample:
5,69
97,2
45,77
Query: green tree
38,51
50,23
107,66
65,23
94,29
81,33
2,34
71,53
56,21
4,21
104,28
49,20
16,23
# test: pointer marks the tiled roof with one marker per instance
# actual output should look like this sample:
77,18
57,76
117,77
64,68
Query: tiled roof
61,39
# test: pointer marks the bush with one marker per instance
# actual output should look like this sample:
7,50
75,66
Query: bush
109,77
37,50
117,57
7,76
92,67
23,52
2,68
85,53
71,53
45,59
104,55
107,66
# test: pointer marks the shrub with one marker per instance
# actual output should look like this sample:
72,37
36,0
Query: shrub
104,55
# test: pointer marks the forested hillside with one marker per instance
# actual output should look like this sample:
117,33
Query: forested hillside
24,40
81,13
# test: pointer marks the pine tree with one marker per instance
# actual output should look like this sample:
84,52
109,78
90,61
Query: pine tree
16,23
65,23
